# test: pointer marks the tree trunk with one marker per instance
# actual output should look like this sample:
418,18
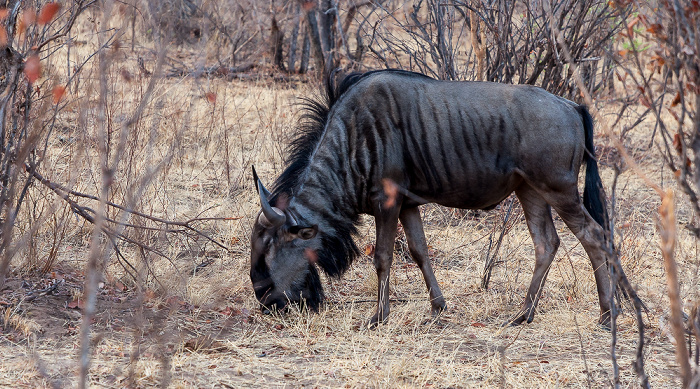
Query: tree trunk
276,44
316,47
291,61
305,49
328,14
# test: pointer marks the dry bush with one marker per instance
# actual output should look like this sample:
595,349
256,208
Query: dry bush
659,70
502,41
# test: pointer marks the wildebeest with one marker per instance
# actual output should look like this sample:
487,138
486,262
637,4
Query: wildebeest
460,144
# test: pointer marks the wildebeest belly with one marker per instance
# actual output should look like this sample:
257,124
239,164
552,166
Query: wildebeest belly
483,191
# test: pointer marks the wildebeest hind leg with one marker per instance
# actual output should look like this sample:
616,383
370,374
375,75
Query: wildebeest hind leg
592,237
538,215
413,227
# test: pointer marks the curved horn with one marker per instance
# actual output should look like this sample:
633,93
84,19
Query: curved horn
256,179
274,217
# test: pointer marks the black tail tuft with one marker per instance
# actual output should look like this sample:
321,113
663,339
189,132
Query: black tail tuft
593,194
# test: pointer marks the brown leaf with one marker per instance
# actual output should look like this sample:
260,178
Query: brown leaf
311,255
655,28
630,26
57,93
211,97
369,250
27,19
391,190
644,101
677,143
77,303
32,68
126,75
308,5
48,12
676,99
478,325
675,116
657,60
149,295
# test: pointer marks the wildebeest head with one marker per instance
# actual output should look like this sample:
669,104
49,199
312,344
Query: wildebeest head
282,256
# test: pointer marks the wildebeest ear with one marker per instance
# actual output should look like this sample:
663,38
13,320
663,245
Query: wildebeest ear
304,233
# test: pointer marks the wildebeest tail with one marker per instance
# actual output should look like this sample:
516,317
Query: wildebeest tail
593,194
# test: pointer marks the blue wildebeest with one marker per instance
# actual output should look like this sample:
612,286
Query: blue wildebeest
459,144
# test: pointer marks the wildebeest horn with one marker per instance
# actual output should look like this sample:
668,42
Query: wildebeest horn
273,217
256,179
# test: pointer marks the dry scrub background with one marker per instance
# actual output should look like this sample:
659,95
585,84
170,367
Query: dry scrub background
192,320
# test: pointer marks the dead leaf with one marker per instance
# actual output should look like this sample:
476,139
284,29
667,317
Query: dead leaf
676,100
677,143
644,101
126,75
120,286
77,303
32,68
48,12
308,5
57,93
27,18
391,190
630,26
369,250
211,97
311,255
655,28
478,325
149,295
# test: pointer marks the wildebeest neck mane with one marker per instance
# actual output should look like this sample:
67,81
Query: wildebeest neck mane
338,248
312,125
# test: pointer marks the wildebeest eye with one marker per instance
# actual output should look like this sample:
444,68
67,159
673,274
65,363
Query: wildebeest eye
304,233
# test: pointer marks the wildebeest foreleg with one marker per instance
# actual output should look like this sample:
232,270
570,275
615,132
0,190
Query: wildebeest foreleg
387,221
413,227
538,215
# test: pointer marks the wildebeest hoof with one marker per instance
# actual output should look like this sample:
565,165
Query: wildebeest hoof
438,309
518,319
374,322
604,323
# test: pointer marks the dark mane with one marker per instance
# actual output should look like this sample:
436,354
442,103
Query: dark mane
311,126
338,249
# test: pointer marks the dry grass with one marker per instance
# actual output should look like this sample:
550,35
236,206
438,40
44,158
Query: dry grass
199,326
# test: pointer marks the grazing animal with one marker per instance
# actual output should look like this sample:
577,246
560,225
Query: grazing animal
384,142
